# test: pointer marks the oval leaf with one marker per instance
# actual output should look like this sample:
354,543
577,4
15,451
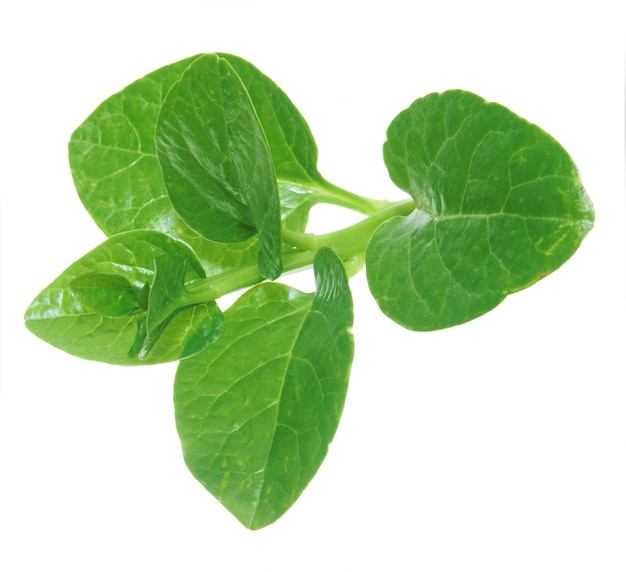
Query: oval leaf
257,410
291,143
215,160
294,151
92,326
113,158
115,169
499,205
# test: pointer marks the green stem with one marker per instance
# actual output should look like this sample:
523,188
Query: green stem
335,195
349,244
326,192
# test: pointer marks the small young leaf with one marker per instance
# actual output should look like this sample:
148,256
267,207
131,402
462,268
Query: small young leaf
166,297
257,410
68,317
499,205
215,160
106,294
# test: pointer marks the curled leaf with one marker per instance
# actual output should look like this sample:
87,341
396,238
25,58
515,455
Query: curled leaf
218,169
84,311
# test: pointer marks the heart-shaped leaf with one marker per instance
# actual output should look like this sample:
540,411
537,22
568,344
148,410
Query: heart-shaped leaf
499,205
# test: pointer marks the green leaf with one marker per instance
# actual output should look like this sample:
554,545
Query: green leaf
257,410
166,297
106,294
80,311
291,142
499,205
168,288
215,160
115,169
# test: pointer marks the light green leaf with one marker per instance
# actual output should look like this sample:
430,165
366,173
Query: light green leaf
499,205
257,410
106,294
215,160
113,158
77,312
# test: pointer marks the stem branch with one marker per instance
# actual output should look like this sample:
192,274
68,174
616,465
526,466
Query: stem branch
349,244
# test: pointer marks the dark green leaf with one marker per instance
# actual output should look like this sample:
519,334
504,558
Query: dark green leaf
61,316
115,169
291,142
499,205
168,288
166,297
257,410
215,160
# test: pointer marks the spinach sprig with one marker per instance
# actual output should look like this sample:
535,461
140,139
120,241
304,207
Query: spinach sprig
203,173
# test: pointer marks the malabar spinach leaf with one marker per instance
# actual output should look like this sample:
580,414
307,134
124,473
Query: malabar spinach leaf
218,169
210,149
168,289
499,205
167,296
257,410
114,165
106,294
81,311
293,147
113,159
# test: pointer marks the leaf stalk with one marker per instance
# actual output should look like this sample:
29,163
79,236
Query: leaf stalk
348,243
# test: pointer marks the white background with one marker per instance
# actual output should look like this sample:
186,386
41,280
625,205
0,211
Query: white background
499,445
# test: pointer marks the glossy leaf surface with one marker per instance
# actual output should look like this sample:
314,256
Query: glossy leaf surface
215,160
193,170
115,169
81,312
256,411
106,294
499,205
113,157
293,147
